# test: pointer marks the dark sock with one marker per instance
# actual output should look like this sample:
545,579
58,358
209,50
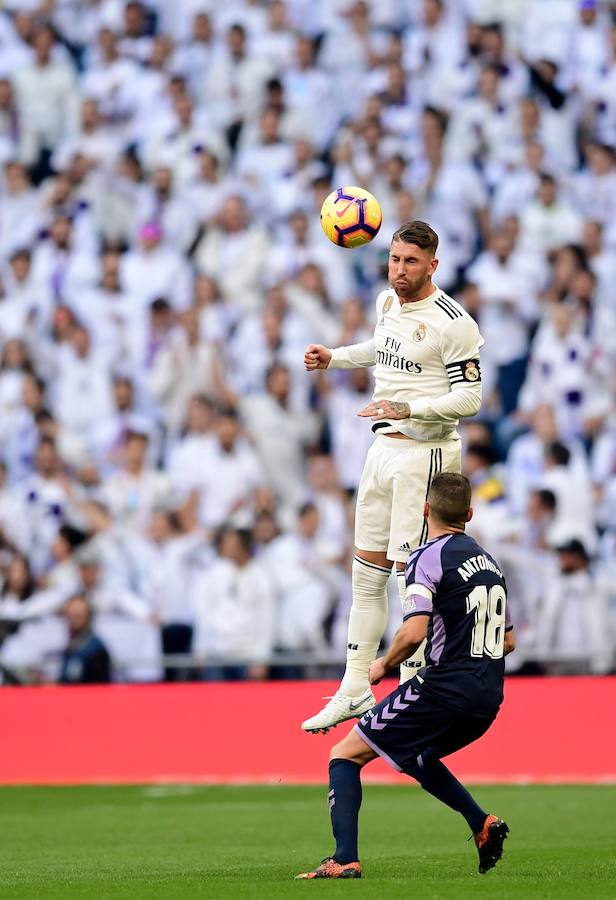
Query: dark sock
436,779
344,800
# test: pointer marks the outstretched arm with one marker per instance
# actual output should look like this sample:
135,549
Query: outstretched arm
355,356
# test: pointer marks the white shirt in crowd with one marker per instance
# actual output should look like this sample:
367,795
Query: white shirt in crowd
234,613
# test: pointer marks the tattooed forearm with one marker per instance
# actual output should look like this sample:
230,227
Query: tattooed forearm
401,409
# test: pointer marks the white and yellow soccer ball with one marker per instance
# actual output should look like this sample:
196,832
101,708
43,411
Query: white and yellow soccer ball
351,216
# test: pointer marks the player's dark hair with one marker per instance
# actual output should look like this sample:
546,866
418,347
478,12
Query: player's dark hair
450,498
418,233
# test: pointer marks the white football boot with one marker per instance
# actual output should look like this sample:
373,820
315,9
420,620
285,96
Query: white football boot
340,708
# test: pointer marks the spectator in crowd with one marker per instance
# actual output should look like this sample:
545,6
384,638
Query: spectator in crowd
162,167
235,611
136,487
186,366
85,659
574,624
306,584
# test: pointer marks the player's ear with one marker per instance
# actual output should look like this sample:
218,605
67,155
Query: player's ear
426,510
469,514
433,266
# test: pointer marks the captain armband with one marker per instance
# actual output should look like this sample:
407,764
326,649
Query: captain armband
418,601
467,371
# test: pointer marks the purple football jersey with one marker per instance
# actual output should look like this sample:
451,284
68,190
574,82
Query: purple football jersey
460,586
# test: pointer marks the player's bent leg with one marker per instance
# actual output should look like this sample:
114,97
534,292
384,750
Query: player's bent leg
436,779
347,759
367,623
489,832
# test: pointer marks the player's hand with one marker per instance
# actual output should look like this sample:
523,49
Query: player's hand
376,671
385,409
316,357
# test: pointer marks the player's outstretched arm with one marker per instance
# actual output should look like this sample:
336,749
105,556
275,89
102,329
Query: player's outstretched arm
355,356
317,357
406,641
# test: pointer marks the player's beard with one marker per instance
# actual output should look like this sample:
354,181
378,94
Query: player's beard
408,290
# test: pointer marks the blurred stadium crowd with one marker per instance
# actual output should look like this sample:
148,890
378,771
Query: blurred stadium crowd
166,463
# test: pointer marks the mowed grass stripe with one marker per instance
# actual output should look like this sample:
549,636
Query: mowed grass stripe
248,842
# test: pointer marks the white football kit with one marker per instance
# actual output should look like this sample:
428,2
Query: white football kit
426,354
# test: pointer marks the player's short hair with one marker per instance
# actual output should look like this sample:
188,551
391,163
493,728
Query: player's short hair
418,233
450,498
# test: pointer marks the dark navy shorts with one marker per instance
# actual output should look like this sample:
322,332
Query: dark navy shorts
408,728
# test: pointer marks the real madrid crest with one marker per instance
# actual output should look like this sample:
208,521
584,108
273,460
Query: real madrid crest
420,333
471,371
387,305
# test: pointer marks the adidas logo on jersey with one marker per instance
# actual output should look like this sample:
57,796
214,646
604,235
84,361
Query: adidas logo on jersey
405,548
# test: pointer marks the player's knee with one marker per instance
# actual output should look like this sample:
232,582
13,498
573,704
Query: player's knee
340,750
353,748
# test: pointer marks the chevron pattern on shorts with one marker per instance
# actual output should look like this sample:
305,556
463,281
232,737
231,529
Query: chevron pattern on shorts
391,709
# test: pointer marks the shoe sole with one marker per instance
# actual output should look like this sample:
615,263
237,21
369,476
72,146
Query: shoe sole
498,832
325,728
352,873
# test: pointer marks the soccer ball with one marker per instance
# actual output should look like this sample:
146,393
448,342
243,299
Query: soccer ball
350,217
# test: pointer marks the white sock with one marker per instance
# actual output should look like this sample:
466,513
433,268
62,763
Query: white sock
367,624
410,666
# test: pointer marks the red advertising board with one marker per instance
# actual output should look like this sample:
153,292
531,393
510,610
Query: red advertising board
549,730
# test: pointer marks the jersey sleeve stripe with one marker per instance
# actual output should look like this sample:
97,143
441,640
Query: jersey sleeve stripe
452,306
445,309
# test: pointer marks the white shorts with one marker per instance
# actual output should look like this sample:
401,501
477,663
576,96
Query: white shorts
393,489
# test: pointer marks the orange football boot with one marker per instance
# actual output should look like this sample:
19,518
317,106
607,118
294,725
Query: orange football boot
329,868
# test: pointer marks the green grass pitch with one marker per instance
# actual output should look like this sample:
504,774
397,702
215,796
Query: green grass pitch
181,842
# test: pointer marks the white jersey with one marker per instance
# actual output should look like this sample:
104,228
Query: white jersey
425,354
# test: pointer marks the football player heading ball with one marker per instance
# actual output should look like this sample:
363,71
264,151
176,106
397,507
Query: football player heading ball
425,352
